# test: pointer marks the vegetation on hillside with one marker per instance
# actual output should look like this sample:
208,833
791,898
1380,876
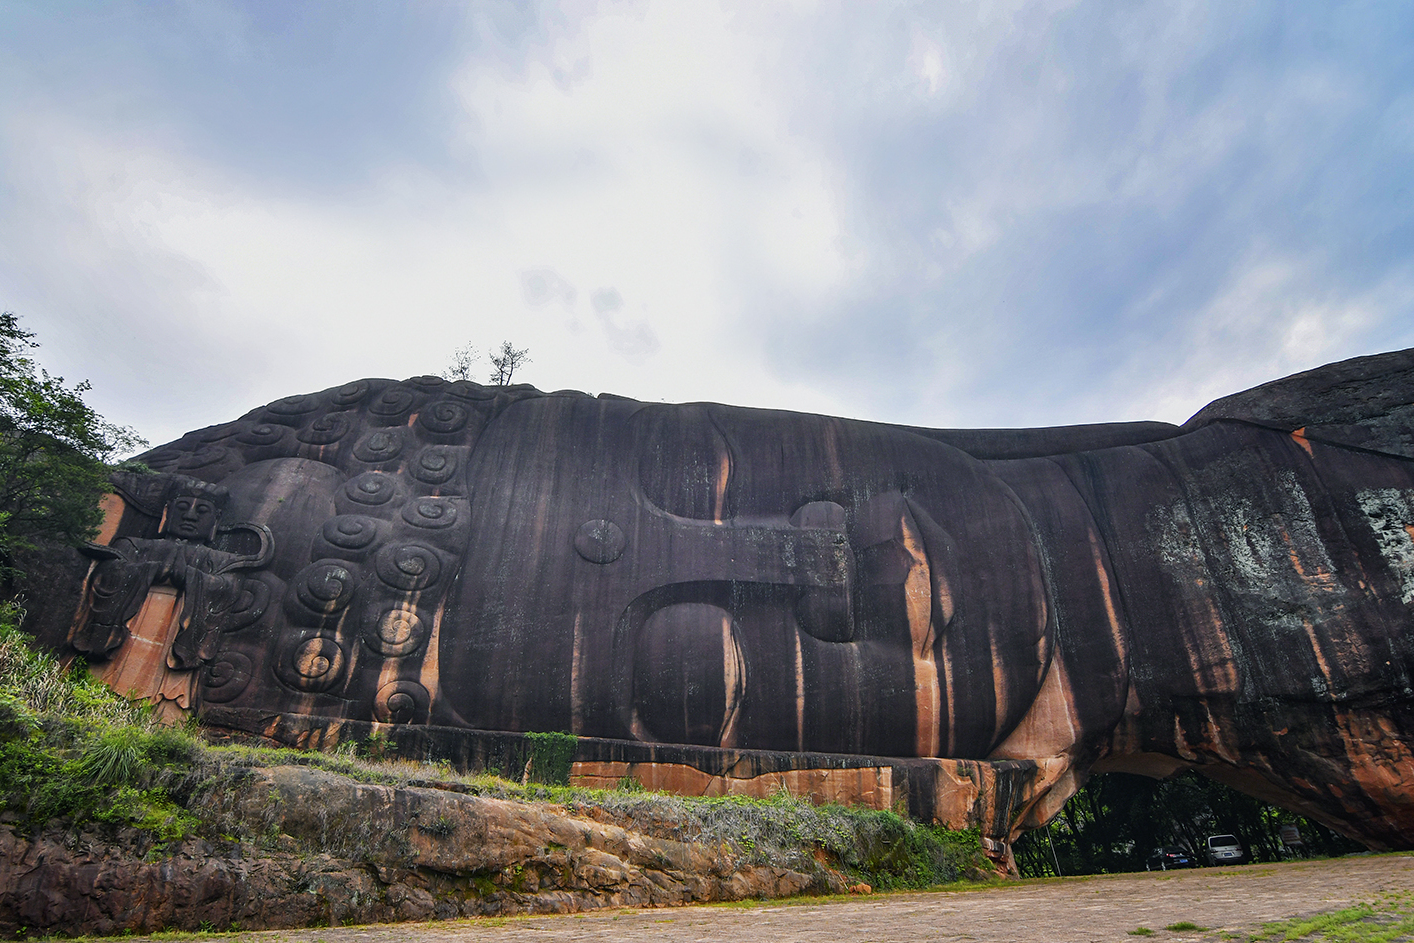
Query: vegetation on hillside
73,751
55,453
74,755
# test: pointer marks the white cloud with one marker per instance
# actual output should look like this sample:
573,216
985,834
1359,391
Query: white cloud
1272,319
637,150
1009,214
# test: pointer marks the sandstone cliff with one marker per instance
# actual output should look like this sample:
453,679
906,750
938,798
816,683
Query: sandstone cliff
355,852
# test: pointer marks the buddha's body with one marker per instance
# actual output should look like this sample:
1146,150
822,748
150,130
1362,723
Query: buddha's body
1229,595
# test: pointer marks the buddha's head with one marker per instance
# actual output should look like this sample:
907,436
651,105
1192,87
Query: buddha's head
192,511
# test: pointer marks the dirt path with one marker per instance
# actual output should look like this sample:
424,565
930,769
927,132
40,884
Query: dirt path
1075,910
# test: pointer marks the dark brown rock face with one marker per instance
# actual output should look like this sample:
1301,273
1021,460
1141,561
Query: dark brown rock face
1233,595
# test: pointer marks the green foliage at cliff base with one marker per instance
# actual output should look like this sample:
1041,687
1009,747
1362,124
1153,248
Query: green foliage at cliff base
551,756
71,750
74,754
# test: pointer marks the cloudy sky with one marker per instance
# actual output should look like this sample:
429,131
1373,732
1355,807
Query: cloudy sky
935,213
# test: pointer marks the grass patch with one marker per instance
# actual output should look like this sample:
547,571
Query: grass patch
1183,925
1389,918
1141,931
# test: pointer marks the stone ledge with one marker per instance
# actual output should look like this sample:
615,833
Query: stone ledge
989,795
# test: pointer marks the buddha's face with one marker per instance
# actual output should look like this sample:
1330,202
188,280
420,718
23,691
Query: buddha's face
191,516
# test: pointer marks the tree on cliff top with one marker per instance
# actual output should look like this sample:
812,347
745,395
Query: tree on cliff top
507,362
460,367
55,452
504,363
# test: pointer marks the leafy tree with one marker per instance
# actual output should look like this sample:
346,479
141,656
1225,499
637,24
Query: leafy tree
1117,819
55,453
507,362
460,367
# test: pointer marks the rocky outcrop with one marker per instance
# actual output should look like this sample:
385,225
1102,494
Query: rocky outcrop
762,596
324,849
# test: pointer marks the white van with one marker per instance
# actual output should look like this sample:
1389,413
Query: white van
1225,849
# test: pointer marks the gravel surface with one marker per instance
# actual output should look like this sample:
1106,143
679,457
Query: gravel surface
1233,899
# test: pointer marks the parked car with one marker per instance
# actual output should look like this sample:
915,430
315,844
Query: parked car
1169,856
1225,849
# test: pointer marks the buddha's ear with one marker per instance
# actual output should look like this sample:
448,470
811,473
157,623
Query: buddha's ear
252,545
1365,403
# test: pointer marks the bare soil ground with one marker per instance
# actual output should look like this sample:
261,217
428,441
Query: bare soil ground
1231,903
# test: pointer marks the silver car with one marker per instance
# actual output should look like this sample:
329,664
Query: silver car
1225,849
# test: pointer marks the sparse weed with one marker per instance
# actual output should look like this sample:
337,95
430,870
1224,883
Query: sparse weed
1387,919
441,827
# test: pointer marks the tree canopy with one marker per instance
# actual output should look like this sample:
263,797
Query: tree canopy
55,452
1117,819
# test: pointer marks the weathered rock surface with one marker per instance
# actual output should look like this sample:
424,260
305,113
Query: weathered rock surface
726,589
357,853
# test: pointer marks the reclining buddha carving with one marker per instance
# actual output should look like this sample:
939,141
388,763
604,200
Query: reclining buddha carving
1232,595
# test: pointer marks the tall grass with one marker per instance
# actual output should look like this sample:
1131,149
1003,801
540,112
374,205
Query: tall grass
34,682
72,750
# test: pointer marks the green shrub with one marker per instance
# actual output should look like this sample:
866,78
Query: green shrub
551,757
113,757
172,746
15,721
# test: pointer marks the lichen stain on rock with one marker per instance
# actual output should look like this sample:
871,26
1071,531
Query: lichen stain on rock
1390,512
